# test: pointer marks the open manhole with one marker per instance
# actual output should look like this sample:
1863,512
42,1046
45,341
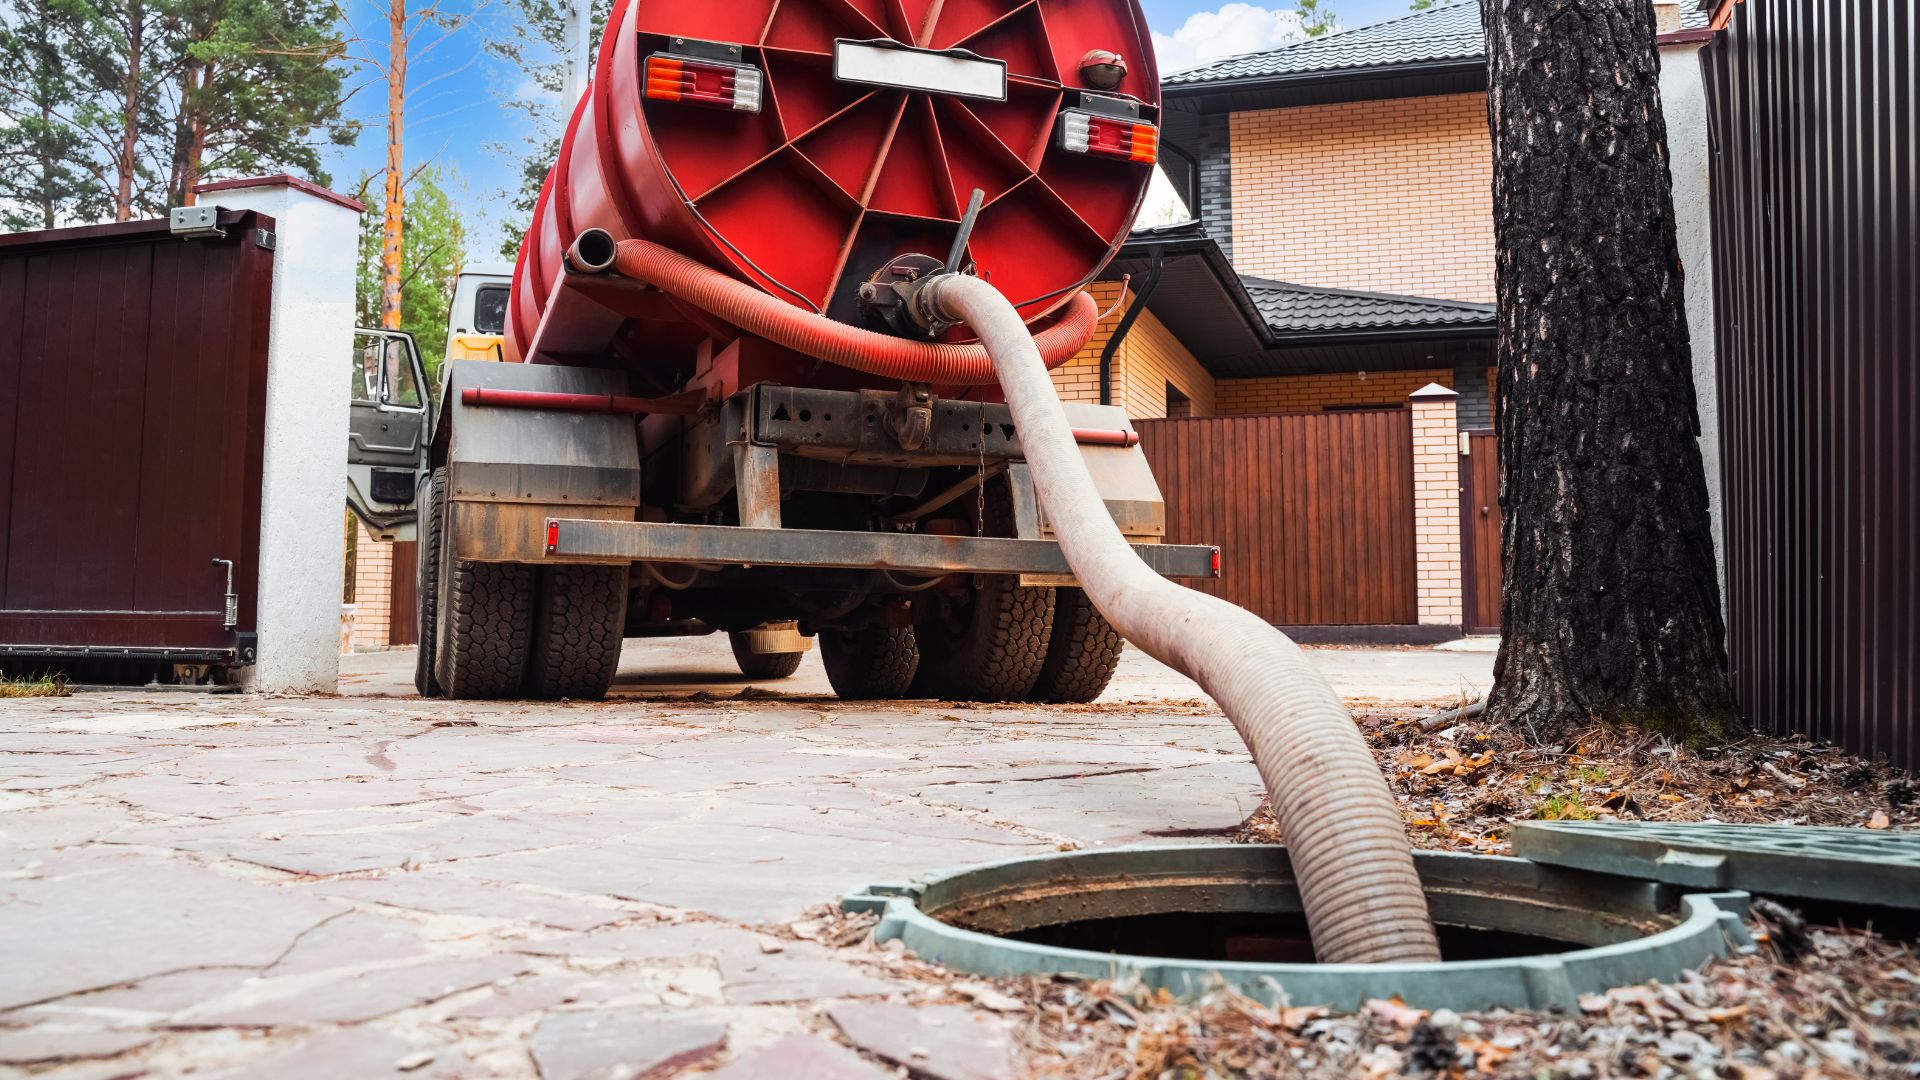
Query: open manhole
1513,933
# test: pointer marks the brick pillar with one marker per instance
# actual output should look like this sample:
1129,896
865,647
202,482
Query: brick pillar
1436,506
372,589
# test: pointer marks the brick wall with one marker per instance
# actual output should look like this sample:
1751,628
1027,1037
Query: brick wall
1386,196
1149,359
1436,508
1155,358
1079,378
372,589
1308,393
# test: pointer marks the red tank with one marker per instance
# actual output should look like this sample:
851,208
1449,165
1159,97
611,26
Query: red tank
803,145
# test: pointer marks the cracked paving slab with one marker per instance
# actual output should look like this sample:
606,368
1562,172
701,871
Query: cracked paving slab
376,885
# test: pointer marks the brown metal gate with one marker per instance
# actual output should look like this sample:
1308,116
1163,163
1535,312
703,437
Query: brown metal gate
1313,512
132,398
1480,532
402,621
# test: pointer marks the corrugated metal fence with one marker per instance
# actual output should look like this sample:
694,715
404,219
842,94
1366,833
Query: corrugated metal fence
1812,108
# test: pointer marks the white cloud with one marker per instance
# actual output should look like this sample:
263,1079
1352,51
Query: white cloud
1234,29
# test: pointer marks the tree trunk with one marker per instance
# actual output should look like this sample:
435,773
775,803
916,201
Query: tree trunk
391,238
1610,611
188,134
124,165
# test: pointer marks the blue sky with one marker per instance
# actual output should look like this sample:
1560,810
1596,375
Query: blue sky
456,115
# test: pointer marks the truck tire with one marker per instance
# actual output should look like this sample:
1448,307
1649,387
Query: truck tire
985,643
990,649
485,615
426,592
1082,653
755,665
579,622
876,663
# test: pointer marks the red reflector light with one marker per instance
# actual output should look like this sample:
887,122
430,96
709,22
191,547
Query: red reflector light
703,82
553,539
1216,562
1109,136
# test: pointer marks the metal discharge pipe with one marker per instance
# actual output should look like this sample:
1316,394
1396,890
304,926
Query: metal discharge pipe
1344,834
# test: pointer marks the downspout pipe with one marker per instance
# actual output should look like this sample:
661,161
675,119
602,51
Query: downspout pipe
1140,297
1344,833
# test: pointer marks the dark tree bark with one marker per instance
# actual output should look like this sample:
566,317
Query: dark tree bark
1611,608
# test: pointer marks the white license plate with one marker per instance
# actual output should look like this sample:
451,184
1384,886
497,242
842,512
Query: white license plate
919,69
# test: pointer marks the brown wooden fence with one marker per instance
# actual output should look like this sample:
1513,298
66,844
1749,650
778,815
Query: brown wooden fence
1814,112
1313,512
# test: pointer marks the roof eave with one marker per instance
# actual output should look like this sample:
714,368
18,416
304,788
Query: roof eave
1291,80
1378,336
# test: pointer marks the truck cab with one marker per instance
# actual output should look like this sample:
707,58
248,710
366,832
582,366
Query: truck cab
392,402
477,322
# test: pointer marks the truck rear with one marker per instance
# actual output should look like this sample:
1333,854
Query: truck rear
664,453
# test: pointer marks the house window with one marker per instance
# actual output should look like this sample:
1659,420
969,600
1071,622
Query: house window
1178,404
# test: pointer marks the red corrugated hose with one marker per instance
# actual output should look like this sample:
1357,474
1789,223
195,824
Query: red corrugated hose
849,346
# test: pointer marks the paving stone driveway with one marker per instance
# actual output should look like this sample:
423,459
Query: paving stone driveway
362,886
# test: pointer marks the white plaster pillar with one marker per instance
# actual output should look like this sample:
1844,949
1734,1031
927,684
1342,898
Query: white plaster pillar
1683,99
304,487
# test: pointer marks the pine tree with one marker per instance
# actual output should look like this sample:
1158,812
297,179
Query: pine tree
435,246
254,83
1610,610
538,53
49,173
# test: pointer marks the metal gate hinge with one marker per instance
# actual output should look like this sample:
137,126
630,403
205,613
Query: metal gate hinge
194,222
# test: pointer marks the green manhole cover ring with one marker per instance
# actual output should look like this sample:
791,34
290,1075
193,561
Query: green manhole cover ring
1616,931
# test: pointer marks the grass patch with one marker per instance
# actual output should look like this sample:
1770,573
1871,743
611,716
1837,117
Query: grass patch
26,686
1565,808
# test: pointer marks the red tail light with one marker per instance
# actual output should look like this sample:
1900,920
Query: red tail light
704,82
1109,136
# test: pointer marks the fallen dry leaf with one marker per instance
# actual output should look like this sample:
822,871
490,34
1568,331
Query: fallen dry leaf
1397,1013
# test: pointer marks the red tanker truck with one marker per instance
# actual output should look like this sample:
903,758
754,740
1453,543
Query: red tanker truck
726,405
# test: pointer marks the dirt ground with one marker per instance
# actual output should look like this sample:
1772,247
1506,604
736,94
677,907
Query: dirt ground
375,885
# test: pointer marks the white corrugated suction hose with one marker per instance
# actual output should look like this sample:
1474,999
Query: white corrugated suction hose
1343,832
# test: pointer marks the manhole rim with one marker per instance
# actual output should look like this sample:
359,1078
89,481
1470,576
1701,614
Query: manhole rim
1709,925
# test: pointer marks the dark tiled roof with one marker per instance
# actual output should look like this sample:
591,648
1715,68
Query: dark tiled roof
1450,33
1300,309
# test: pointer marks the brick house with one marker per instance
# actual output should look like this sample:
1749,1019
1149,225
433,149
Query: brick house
1343,258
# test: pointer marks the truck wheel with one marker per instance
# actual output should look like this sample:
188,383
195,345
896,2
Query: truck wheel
1082,652
986,645
871,664
579,621
485,616
426,598
775,665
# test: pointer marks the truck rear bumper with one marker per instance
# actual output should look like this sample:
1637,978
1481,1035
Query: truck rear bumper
913,553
